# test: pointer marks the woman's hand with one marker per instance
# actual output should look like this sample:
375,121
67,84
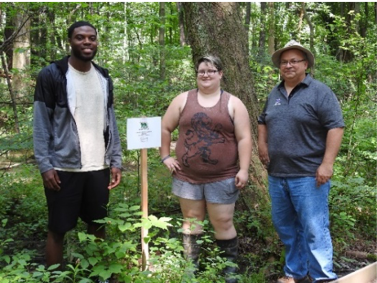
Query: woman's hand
242,178
172,164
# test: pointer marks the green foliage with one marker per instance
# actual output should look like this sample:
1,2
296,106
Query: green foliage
141,91
118,256
345,51
21,194
356,92
266,78
353,208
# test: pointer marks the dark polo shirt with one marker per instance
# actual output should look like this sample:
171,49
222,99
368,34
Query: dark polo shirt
297,127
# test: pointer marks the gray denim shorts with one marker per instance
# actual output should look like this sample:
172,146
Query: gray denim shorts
224,192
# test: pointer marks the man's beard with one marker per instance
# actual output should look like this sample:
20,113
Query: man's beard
79,55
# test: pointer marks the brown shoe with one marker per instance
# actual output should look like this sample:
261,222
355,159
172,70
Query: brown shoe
287,279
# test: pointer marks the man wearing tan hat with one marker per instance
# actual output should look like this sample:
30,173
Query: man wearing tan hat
299,135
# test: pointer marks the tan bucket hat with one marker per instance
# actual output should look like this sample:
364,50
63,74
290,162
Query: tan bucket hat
292,45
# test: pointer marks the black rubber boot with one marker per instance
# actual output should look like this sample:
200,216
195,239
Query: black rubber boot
229,251
192,248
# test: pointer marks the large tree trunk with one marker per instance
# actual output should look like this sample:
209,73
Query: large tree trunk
216,28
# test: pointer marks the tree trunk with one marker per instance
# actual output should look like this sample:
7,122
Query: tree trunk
364,22
348,55
125,54
21,54
357,11
216,28
38,36
52,41
182,37
2,14
247,23
161,40
311,30
91,9
262,32
11,92
301,17
247,16
271,29
10,34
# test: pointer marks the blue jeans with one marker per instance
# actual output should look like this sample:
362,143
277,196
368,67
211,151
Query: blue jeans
300,215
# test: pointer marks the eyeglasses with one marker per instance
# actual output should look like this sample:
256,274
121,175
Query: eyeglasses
292,63
208,72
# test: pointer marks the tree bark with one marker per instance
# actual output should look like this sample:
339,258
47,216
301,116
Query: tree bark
216,28
311,30
348,55
299,27
262,32
247,22
161,40
38,35
271,29
21,54
11,92
247,16
182,37
364,22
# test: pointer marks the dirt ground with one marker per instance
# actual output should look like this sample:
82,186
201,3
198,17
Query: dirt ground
360,255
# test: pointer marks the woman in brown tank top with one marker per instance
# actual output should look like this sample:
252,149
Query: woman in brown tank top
213,154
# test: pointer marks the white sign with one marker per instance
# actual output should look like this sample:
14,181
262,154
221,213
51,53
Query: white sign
143,132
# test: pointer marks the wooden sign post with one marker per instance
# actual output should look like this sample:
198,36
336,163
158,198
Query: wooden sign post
143,133
144,206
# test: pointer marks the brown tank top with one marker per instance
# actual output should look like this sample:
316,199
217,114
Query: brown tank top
206,148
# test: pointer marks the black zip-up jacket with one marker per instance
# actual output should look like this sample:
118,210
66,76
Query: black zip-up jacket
56,140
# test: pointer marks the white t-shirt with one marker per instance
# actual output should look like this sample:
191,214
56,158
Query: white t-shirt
89,117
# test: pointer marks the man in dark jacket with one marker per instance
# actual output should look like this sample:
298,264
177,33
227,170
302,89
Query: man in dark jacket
76,140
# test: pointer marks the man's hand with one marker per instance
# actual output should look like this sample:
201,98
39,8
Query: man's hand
324,174
116,176
51,180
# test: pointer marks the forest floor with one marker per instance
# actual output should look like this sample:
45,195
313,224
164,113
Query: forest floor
361,254
253,256
357,256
